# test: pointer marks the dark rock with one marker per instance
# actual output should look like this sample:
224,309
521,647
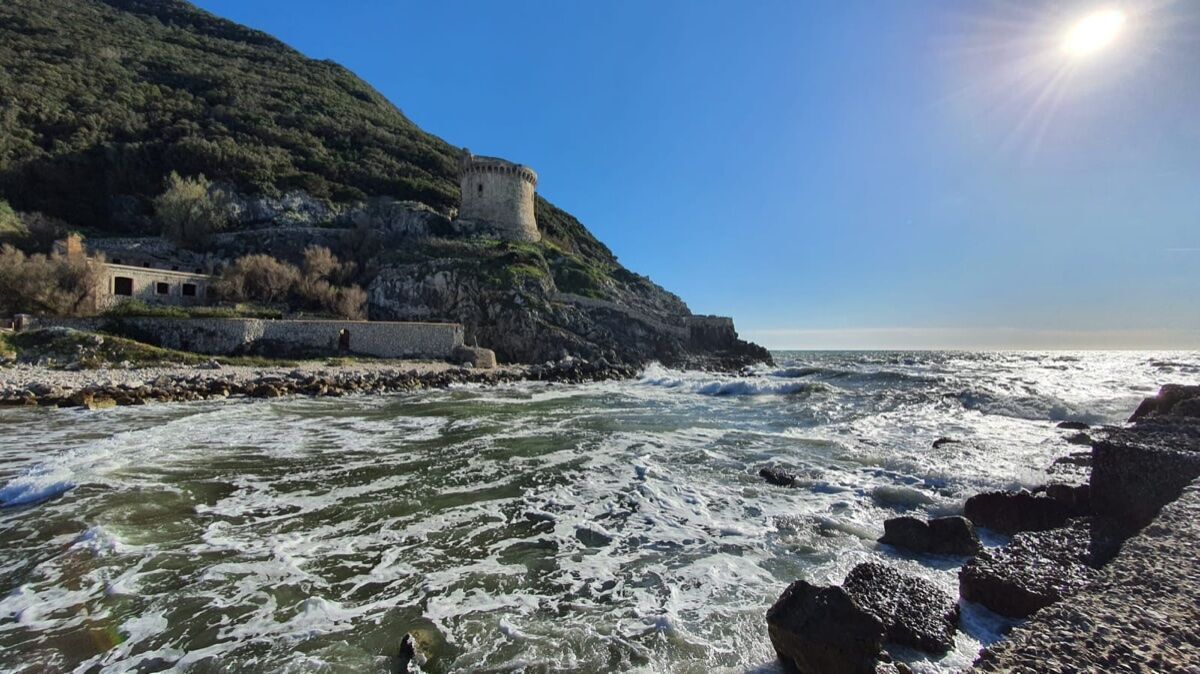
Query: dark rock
1073,425
1034,570
952,536
945,441
1135,472
1077,497
914,612
940,536
777,476
821,630
1075,459
1010,512
1172,400
1079,439
593,538
412,652
906,532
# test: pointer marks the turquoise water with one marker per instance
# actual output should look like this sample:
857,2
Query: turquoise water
618,526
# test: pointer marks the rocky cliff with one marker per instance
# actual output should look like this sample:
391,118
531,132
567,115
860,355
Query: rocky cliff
101,99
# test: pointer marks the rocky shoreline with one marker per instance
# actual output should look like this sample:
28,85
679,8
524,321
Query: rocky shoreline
1103,573
40,386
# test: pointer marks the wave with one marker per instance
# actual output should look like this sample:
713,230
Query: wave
876,376
1033,408
35,487
658,376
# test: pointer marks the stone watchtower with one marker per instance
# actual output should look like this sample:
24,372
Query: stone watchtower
500,195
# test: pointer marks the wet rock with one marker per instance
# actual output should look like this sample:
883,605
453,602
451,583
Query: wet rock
1011,512
1174,400
1033,571
821,630
1073,425
1079,439
945,441
593,537
906,532
914,612
940,536
412,654
777,476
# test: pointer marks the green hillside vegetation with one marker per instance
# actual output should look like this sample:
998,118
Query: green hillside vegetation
101,100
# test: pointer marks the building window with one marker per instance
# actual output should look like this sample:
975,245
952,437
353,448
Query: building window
146,265
162,289
116,260
479,188
189,290
123,285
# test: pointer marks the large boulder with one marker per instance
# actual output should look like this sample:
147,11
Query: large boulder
1009,512
821,630
940,536
914,612
1034,570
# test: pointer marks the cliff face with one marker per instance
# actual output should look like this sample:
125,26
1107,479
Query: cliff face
101,99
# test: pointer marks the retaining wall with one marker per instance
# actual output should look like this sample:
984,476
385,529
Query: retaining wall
225,336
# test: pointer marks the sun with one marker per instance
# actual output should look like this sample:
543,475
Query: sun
1094,32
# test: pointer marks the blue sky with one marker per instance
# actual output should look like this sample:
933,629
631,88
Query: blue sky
894,173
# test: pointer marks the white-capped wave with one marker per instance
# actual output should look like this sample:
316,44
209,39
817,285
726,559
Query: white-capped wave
703,384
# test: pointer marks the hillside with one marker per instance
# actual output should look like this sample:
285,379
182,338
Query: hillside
101,99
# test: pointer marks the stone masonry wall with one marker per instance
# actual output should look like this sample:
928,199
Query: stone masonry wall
502,199
224,336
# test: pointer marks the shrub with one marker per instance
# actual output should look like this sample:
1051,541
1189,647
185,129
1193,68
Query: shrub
41,284
259,278
321,263
262,278
191,211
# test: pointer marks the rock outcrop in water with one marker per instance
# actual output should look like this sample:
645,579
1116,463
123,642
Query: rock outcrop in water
1139,611
1010,512
835,630
1100,600
939,536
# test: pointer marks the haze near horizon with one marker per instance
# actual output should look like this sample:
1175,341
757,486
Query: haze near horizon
883,175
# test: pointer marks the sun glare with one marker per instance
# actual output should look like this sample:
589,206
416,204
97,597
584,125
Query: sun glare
1094,32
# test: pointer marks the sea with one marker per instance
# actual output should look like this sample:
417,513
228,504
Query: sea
615,526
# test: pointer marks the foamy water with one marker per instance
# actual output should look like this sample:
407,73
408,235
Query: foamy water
615,526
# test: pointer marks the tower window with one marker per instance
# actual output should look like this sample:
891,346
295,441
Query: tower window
479,188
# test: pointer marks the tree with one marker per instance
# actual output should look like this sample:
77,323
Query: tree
191,210
57,284
12,229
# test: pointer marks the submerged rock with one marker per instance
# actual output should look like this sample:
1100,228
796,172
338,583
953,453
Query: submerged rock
777,476
1011,512
940,536
1033,571
914,612
945,441
1073,425
821,630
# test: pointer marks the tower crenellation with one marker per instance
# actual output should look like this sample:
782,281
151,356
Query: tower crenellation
500,195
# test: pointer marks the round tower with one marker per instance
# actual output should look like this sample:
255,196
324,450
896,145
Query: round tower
499,194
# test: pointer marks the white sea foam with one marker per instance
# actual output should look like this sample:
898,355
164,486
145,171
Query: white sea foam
545,527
